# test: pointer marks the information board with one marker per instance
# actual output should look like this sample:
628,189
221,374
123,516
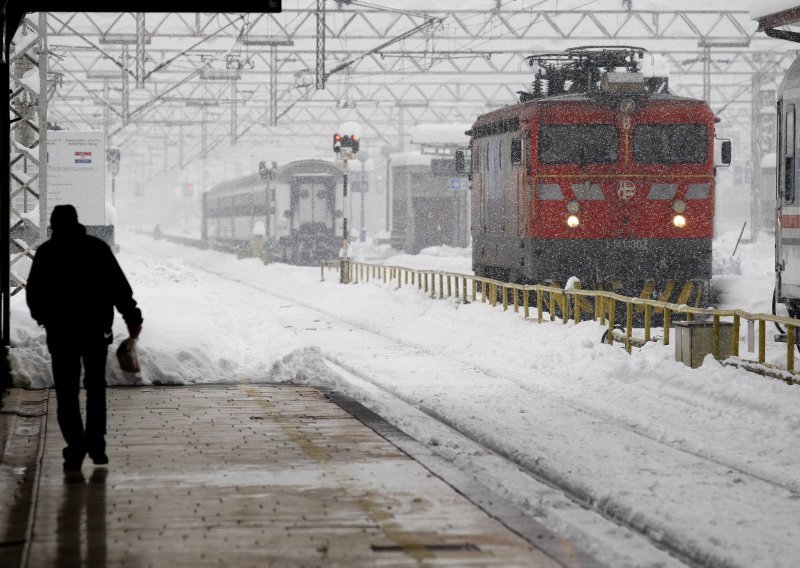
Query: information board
76,169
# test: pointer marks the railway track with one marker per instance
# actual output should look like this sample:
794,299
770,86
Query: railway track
714,470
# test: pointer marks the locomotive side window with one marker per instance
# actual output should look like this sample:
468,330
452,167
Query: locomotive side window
788,155
516,151
670,143
578,143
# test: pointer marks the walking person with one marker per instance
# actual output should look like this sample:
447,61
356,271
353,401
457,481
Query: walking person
74,284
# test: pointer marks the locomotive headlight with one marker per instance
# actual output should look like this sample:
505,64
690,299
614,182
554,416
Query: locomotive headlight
573,207
679,206
573,221
679,221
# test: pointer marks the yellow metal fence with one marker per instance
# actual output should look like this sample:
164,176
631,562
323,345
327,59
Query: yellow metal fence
577,305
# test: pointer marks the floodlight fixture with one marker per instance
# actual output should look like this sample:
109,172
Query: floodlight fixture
121,39
104,74
201,102
723,43
267,41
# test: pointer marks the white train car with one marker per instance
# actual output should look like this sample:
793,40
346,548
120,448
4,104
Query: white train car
430,201
293,213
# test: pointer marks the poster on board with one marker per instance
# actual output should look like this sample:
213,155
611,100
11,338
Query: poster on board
76,166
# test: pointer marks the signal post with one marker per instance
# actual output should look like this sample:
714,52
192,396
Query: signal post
345,148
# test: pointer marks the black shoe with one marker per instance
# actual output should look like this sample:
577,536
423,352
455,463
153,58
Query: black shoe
73,459
99,458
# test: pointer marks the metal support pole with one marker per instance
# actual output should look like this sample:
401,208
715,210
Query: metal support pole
140,54
707,74
126,87
42,126
343,272
204,134
273,85
233,112
320,83
363,187
388,191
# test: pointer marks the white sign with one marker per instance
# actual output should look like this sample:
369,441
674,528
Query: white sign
76,166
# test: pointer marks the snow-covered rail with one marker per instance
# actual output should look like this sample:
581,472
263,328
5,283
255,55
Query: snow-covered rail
574,303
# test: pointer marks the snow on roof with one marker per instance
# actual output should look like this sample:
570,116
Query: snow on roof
410,159
763,8
440,134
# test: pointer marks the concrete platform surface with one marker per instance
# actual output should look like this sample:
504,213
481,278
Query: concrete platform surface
253,476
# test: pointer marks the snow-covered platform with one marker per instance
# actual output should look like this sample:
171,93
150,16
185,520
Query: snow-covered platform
251,475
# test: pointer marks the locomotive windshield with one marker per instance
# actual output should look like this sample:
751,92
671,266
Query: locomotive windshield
578,143
670,143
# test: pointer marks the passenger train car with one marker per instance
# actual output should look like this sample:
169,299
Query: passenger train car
787,204
430,200
600,173
293,211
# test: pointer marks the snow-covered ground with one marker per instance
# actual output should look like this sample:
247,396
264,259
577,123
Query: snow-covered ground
705,460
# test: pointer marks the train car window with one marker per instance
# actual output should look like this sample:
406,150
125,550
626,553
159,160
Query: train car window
578,143
670,143
788,155
516,151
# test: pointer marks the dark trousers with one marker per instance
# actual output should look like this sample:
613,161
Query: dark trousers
67,357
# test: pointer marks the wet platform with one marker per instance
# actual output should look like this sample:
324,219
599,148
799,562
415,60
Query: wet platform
241,476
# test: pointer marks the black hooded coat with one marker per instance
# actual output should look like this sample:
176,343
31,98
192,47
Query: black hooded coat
75,283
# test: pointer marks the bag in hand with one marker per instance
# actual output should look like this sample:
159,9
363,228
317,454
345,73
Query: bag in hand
127,356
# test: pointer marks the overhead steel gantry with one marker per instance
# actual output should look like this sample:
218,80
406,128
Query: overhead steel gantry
453,63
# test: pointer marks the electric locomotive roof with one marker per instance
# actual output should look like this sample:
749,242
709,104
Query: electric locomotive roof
523,111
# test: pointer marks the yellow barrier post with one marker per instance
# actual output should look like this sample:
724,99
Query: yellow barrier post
600,303
539,302
598,312
433,285
790,348
505,298
474,290
564,308
628,325
450,286
577,301
735,337
464,289
666,325
441,285
426,282
647,317
400,276
715,337
689,316
762,335
383,270
516,302
552,301
483,292
612,308
493,294
525,302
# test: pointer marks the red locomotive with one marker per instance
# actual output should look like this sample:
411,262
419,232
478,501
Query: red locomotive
600,173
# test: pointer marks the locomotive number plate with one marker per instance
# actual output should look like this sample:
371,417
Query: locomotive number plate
626,189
